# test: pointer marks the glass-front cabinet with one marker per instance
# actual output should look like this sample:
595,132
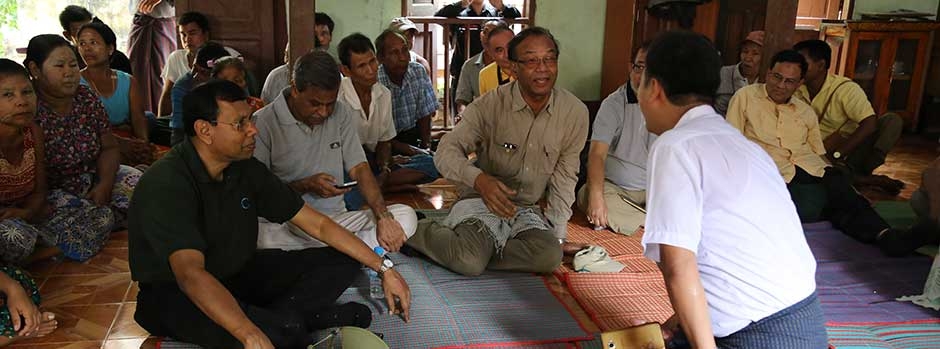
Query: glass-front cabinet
887,59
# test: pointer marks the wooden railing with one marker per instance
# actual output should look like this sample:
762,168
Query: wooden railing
471,25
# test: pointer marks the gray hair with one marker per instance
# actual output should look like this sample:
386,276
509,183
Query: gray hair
316,69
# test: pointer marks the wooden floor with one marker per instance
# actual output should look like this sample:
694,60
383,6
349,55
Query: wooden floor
95,301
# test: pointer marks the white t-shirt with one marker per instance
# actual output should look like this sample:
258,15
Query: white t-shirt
719,195
278,79
378,126
177,65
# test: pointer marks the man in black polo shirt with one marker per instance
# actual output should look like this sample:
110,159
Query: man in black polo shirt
193,237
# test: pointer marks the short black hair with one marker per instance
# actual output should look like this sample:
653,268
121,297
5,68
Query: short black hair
10,68
380,41
316,69
320,18
816,49
790,56
202,103
525,34
644,46
686,65
194,17
72,14
41,46
354,43
102,29
210,51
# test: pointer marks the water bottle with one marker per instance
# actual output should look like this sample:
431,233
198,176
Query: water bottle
375,282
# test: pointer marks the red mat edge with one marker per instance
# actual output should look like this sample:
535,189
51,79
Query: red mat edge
883,323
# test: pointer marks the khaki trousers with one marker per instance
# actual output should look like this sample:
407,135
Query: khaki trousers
621,217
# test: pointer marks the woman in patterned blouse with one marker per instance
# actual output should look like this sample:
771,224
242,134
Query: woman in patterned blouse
25,217
81,153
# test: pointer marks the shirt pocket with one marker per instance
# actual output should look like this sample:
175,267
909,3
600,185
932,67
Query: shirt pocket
549,158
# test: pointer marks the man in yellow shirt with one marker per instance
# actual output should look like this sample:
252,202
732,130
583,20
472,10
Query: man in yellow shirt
852,133
498,72
787,129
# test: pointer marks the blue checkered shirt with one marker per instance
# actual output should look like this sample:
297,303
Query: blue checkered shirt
413,100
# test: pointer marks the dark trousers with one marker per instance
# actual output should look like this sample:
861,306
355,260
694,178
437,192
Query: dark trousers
800,326
848,210
278,290
872,152
410,136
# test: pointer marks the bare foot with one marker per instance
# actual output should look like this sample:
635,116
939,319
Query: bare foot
47,326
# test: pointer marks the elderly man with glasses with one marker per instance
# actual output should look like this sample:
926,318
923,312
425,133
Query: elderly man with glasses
527,136
615,192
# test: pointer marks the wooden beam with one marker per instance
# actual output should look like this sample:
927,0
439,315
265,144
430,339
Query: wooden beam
618,44
300,27
779,29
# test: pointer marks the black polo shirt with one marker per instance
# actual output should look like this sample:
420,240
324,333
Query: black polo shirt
176,206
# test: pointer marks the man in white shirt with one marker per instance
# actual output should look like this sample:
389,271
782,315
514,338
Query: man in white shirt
278,79
720,221
194,32
616,167
372,104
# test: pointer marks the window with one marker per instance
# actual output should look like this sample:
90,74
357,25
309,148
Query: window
22,20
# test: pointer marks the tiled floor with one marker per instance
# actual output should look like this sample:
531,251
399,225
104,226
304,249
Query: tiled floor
95,301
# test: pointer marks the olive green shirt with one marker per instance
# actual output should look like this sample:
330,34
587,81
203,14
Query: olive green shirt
536,155
177,206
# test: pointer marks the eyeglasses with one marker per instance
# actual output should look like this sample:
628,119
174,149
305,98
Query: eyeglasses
639,68
240,125
786,81
533,63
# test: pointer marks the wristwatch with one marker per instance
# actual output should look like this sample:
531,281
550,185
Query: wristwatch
386,265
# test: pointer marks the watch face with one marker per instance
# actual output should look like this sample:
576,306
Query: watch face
388,263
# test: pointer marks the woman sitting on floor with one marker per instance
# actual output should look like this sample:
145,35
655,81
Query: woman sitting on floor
25,218
118,92
20,317
233,69
82,156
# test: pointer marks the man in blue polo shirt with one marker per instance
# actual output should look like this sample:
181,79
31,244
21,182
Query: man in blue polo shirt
193,242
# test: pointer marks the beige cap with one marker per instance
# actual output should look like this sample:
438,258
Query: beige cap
595,259
402,24
756,37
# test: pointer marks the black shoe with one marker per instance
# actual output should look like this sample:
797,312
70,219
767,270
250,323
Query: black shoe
349,314
900,243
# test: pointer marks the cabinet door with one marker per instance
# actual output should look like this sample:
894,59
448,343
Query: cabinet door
906,74
864,64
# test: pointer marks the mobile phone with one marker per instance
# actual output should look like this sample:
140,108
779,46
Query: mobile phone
346,185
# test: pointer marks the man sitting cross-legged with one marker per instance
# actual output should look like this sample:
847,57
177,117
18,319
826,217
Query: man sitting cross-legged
371,104
616,169
787,129
309,138
527,137
193,242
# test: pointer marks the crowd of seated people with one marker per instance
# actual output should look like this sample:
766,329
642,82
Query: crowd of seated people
257,181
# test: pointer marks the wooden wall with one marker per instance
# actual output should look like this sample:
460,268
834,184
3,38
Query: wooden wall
247,28
628,25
